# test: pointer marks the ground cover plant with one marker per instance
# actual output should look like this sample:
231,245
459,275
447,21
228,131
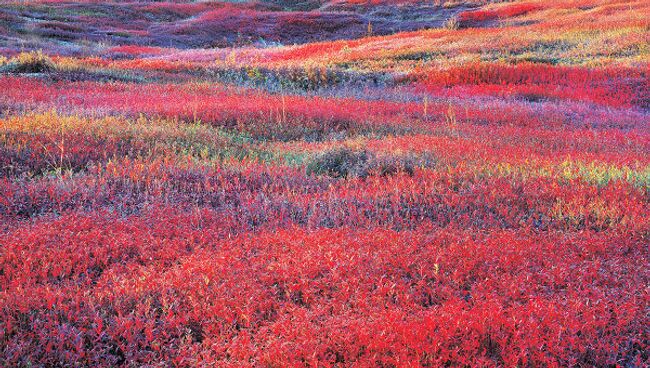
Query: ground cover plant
345,183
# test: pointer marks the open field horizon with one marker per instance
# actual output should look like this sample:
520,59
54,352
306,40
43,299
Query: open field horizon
345,183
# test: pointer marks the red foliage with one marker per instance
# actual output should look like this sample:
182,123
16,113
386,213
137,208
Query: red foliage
466,214
241,24
158,288
135,50
258,113
253,111
144,257
509,11
183,9
618,87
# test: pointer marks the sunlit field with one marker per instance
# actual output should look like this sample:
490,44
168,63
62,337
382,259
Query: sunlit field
345,183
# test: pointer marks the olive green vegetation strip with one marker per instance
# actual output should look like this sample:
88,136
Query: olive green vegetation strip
208,144
595,173
592,172
153,137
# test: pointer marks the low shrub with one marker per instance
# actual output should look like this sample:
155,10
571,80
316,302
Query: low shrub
389,165
340,163
29,62
345,162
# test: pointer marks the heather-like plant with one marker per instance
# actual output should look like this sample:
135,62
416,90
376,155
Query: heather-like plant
470,195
